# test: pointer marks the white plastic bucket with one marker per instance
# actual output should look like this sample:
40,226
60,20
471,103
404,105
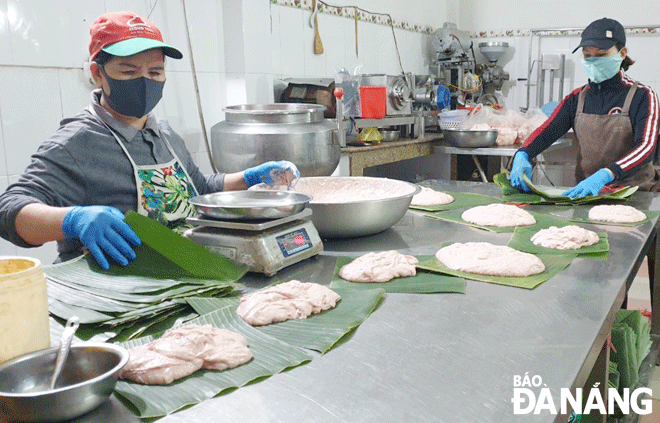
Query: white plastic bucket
24,325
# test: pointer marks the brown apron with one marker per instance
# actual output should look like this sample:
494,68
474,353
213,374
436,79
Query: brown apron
604,139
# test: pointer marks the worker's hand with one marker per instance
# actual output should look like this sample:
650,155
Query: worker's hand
103,230
272,173
520,165
592,185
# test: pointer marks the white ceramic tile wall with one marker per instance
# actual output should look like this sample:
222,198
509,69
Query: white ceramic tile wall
31,112
75,91
258,39
292,44
5,36
644,69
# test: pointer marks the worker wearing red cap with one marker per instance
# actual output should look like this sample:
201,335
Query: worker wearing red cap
116,156
615,120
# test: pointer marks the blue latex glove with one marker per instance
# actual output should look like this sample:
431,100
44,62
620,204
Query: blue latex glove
103,230
548,108
590,186
272,173
520,165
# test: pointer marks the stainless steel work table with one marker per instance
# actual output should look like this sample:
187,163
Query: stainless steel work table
505,152
445,357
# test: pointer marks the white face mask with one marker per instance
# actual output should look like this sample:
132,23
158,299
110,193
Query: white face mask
600,69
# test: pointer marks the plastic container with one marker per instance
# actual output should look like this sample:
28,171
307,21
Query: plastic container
373,101
451,119
24,325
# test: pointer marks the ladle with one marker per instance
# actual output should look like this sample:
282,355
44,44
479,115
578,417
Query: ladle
65,344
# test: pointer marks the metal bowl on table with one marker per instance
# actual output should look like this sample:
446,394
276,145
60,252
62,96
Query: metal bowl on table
250,205
390,134
88,378
468,138
348,216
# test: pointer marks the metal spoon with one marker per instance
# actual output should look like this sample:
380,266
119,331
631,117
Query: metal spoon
65,344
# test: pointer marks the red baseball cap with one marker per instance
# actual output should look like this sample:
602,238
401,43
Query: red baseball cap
125,34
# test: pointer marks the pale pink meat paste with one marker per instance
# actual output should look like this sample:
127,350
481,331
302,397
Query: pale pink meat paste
483,258
285,301
379,267
183,351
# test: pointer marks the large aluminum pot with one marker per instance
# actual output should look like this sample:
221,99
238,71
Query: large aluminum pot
256,133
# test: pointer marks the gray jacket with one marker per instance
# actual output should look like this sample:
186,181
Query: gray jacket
82,164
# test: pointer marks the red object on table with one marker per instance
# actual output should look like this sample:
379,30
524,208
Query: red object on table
374,102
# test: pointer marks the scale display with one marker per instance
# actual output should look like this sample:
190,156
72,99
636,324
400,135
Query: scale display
294,242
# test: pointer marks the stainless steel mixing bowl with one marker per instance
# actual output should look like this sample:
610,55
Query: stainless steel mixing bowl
88,378
363,217
250,205
470,138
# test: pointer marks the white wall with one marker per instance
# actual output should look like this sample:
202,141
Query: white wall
239,48
479,16
483,15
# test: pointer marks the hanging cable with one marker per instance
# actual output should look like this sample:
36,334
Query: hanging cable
196,85
390,21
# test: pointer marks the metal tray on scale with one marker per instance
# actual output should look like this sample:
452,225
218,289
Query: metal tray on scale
250,205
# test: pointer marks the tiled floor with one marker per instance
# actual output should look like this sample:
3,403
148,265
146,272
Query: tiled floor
639,299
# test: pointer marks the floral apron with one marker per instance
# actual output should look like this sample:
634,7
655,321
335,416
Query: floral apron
163,189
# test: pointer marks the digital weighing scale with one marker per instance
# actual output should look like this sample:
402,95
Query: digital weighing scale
265,246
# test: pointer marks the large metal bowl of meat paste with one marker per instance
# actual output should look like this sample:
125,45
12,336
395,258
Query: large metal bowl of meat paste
345,207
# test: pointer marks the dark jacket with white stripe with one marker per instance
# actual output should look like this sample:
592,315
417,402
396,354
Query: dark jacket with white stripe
602,99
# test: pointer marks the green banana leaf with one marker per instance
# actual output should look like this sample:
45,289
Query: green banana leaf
521,241
554,264
461,200
649,216
555,194
165,254
319,332
422,283
514,195
271,356
552,195
542,220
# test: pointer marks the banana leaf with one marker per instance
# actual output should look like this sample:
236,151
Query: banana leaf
554,264
65,311
461,200
79,271
649,216
271,356
556,194
319,332
166,254
521,241
542,220
422,283
514,195
551,195
155,325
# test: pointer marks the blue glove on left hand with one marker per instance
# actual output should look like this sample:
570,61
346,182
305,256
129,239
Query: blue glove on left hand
590,186
520,166
103,230
272,173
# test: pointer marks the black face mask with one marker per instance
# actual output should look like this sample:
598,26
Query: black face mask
133,97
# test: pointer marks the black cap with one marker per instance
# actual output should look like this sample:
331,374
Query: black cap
603,33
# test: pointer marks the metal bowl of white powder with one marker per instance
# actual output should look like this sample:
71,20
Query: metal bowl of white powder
345,207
